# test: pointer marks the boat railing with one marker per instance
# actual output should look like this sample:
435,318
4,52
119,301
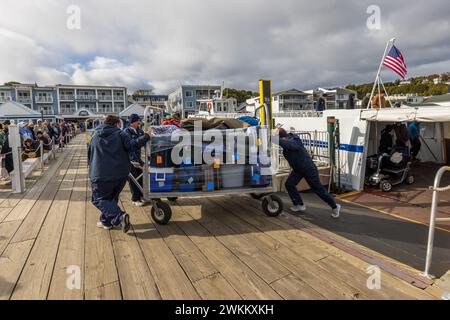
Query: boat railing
436,188
299,114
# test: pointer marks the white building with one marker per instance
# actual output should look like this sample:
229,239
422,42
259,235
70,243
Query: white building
291,101
337,98
74,100
410,98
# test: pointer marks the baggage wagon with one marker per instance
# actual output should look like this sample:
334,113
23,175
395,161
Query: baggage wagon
163,179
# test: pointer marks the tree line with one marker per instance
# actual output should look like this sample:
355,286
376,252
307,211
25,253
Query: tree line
423,86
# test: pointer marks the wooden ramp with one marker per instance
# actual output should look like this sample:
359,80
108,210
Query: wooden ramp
216,248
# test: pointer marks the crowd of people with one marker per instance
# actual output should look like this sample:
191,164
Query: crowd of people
32,134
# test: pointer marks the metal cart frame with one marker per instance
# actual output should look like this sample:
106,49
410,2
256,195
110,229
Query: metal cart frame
161,212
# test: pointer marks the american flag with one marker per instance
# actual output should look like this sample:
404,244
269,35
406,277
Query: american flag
394,61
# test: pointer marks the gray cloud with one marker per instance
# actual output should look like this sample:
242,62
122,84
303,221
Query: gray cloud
164,43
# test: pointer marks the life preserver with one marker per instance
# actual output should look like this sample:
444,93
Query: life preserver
209,105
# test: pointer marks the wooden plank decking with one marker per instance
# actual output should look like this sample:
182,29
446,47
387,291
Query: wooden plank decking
215,248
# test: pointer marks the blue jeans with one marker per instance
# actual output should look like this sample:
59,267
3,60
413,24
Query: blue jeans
105,196
313,179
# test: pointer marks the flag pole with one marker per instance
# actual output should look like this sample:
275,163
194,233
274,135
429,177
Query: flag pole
377,78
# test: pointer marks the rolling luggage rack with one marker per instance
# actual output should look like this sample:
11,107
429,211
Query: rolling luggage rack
161,212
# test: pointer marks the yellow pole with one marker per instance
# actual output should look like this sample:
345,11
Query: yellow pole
265,97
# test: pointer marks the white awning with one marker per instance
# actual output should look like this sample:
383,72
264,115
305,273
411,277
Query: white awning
133,109
12,109
407,114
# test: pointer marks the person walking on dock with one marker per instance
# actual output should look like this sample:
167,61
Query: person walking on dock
136,163
109,167
303,167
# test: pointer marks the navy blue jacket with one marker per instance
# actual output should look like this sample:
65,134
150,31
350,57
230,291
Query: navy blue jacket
321,104
135,156
296,154
108,153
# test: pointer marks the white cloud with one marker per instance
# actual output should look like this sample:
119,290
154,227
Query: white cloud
163,43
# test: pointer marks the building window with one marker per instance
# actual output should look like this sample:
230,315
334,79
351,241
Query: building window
67,108
189,104
119,108
105,108
189,93
46,110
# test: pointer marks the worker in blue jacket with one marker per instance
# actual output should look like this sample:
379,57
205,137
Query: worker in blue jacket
109,166
414,138
134,132
302,167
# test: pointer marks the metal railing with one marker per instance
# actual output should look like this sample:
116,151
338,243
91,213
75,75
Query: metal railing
5,99
298,114
433,219
40,99
105,98
316,142
67,97
86,97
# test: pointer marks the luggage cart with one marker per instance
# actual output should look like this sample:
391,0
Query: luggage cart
161,212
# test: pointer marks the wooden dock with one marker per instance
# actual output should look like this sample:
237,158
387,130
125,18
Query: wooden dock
215,248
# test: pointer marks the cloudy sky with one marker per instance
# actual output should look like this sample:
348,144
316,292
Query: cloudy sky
165,43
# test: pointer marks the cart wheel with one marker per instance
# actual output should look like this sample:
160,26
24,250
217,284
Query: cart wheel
385,186
410,180
272,208
172,199
256,196
161,213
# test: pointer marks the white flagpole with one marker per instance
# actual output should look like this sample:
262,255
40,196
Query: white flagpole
379,71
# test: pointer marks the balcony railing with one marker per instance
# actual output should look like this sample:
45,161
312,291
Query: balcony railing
105,98
68,111
5,99
105,110
24,100
67,97
86,98
204,97
47,112
43,99
118,98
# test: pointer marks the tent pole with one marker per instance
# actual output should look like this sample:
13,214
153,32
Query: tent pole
385,91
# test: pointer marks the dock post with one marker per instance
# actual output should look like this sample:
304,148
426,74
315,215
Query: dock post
331,123
17,177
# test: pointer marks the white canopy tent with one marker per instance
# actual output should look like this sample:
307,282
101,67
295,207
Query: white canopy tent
434,123
14,110
133,109
407,114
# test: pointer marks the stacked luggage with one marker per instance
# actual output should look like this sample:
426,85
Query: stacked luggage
191,176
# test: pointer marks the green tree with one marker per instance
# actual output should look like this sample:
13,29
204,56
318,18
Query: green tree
239,95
